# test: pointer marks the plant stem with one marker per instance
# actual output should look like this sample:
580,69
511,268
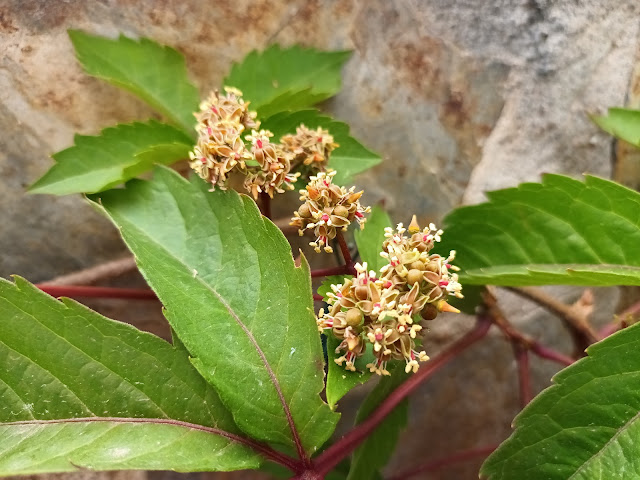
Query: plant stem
348,443
515,336
521,354
75,291
346,254
265,204
578,324
318,297
620,320
550,354
90,275
325,272
434,465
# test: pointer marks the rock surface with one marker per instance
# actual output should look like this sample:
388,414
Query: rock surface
459,98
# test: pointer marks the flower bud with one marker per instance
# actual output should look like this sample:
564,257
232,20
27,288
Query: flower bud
414,276
429,312
354,317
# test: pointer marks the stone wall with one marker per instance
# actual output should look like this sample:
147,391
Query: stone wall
458,96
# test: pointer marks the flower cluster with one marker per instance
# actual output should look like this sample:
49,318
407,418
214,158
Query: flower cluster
385,309
274,166
326,208
220,149
309,147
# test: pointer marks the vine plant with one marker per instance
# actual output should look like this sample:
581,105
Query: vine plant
240,386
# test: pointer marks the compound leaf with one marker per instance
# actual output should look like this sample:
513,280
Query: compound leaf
78,390
155,73
560,231
235,299
586,426
119,153
280,79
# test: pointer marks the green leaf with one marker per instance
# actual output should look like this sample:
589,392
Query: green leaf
622,123
234,297
155,73
376,450
280,79
119,153
370,239
586,426
349,159
325,286
83,391
560,231
340,380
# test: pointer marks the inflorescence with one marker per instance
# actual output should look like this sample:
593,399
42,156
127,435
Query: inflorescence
221,150
326,208
385,309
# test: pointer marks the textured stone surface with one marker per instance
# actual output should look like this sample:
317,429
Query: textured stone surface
459,97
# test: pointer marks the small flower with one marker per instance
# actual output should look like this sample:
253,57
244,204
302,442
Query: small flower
274,175
309,147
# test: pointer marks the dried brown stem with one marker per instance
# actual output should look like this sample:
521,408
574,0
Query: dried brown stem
434,465
103,271
78,291
574,318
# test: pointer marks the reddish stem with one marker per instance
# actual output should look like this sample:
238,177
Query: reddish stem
265,204
75,291
619,322
325,272
550,354
333,455
524,378
439,463
318,297
346,254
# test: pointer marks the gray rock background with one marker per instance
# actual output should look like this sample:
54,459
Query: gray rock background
459,97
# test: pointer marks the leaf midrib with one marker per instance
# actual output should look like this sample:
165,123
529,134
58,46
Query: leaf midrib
274,380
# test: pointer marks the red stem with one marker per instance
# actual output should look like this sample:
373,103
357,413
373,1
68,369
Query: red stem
522,360
333,455
325,272
318,297
550,354
265,203
618,323
75,291
437,464
344,248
